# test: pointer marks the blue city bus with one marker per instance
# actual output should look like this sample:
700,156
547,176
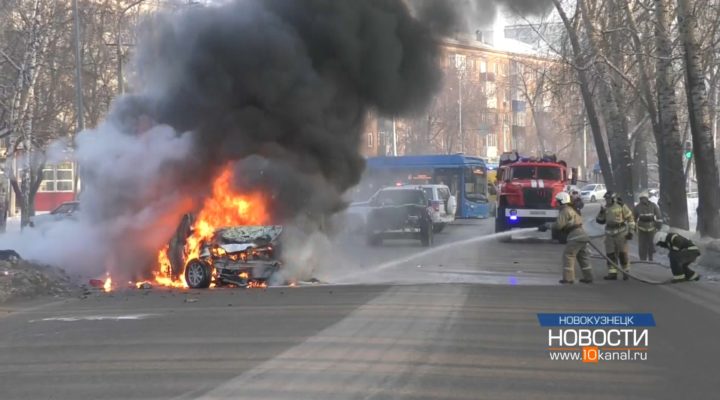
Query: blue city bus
465,176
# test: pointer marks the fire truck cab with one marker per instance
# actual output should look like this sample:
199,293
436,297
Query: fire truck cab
526,191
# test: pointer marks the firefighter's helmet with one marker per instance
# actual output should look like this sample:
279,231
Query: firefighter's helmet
660,236
610,196
644,194
562,198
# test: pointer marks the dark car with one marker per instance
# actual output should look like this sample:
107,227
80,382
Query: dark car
64,211
399,213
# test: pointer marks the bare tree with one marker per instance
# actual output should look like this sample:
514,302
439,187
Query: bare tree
699,117
582,63
614,121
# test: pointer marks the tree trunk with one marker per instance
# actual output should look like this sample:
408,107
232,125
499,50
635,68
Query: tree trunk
616,127
699,116
590,109
662,108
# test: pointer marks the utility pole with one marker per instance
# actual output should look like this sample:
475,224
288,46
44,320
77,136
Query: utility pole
460,113
78,90
394,137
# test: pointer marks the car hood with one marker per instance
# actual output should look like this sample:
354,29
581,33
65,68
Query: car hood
248,234
42,219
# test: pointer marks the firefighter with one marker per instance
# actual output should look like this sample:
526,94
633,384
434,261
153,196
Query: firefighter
648,219
570,223
619,227
577,202
683,252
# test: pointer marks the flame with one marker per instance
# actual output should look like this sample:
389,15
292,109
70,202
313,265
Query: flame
107,286
163,274
224,208
256,284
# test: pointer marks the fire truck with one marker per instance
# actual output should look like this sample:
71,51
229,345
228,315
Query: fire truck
526,191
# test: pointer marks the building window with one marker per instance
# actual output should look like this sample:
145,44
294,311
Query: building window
370,140
58,178
483,66
492,140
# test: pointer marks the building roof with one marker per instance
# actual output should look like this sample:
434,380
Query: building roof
439,160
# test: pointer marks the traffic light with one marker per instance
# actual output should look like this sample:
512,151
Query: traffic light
687,151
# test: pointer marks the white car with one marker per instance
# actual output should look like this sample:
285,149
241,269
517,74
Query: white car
443,203
593,192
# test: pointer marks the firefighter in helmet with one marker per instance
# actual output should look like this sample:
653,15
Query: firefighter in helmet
649,220
570,223
683,252
619,227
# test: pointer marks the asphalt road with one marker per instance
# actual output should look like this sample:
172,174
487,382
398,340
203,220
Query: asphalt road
455,323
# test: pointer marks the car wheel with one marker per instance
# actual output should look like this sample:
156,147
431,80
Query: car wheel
426,236
501,224
198,274
437,228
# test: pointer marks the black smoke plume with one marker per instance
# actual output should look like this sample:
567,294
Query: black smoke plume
449,16
289,81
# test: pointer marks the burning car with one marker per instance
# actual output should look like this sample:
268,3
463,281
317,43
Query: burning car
241,256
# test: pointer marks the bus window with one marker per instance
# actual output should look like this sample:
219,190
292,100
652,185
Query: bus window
475,185
449,177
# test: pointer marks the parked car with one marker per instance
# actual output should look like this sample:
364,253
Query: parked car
238,255
444,204
572,188
593,192
67,210
400,212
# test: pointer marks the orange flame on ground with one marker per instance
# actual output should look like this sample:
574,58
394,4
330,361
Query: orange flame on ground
107,286
224,208
256,284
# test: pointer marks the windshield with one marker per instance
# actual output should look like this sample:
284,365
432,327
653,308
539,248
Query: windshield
64,209
399,197
588,188
535,172
475,184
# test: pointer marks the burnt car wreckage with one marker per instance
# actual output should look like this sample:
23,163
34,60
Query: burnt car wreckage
238,256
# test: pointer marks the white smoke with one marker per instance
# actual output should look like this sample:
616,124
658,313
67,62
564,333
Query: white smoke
130,167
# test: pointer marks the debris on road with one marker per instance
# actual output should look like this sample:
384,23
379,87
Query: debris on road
22,279
191,300
96,283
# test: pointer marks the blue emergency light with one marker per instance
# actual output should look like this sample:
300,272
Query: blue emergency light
513,215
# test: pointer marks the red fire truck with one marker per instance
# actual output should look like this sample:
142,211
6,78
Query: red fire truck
526,191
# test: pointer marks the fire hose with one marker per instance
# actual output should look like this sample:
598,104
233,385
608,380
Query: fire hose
602,255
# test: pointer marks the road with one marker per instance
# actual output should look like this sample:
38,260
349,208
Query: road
456,323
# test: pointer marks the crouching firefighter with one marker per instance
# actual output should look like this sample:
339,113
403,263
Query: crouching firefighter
570,223
683,252
619,227
649,221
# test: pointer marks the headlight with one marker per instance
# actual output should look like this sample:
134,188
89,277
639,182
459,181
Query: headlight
218,251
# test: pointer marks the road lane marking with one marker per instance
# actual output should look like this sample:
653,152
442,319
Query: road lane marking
128,317
375,335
